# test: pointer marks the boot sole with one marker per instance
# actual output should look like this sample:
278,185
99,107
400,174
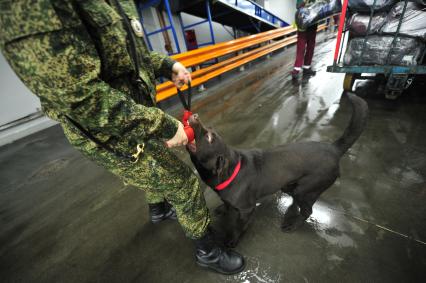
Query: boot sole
167,216
221,271
162,219
157,221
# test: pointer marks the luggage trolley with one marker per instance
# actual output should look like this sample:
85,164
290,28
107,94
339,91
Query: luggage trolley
397,78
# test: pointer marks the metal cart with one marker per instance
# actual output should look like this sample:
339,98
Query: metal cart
396,78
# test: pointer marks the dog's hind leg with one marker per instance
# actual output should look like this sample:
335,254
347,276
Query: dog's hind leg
297,213
291,213
304,197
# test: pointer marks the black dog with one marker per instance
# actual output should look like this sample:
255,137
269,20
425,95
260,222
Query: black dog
302,170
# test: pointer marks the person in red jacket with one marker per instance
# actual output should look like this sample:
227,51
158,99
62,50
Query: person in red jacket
305,46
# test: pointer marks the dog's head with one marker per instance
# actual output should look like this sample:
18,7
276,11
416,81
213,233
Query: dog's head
209,151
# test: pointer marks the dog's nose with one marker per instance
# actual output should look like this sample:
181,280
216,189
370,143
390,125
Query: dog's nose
193,120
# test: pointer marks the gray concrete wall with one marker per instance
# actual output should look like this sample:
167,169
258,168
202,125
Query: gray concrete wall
17,102
16,99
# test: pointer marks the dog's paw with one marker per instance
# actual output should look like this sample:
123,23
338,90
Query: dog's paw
290,226
231,243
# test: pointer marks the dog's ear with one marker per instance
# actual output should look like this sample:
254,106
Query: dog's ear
221,165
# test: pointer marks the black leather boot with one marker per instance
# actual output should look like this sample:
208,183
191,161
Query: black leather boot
161,211
211,255
309,72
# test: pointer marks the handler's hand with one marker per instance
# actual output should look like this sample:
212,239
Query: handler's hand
180,75
179,139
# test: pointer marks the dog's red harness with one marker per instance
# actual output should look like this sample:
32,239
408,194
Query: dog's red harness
225,184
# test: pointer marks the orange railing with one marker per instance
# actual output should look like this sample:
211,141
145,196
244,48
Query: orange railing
198,56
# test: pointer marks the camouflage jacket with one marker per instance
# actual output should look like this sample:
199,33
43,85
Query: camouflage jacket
81,57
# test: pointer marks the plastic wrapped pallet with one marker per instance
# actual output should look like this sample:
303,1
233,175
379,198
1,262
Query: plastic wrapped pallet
422,2
406,52
366,5
413,23
358,23
320,10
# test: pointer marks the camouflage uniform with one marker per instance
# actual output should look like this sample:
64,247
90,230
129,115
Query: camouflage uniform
87,63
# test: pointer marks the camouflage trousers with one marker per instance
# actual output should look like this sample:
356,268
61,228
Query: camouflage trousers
159,173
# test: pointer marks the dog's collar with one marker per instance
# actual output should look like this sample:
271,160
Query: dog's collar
226,183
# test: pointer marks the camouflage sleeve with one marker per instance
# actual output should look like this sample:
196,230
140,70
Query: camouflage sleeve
62,67
162,64
98,107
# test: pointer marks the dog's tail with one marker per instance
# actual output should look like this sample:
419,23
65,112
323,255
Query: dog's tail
356,125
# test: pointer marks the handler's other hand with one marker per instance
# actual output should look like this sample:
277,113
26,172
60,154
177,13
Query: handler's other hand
179,139
180,75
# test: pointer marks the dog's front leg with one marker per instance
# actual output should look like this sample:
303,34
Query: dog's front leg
222,209
239,226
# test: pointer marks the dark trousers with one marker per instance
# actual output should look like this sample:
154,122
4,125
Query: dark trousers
305,46
336,19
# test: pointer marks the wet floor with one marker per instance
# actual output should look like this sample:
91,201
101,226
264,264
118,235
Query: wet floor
64,219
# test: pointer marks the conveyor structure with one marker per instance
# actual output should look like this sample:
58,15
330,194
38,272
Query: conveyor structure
243,15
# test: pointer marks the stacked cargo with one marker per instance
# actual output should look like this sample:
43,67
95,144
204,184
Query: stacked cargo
386,32
321,9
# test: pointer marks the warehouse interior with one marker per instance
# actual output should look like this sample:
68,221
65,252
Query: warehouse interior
64,218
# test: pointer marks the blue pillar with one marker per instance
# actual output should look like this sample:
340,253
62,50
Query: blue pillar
209,17
183,30
169,14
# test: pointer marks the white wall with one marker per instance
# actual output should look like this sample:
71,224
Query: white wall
151,23
16,101
202,31
284,9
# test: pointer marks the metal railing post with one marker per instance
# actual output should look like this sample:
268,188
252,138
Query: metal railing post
339,34
248,50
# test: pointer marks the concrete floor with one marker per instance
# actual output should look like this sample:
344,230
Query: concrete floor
64,219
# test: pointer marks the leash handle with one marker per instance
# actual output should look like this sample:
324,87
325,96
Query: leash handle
187,113
189,95
186,104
